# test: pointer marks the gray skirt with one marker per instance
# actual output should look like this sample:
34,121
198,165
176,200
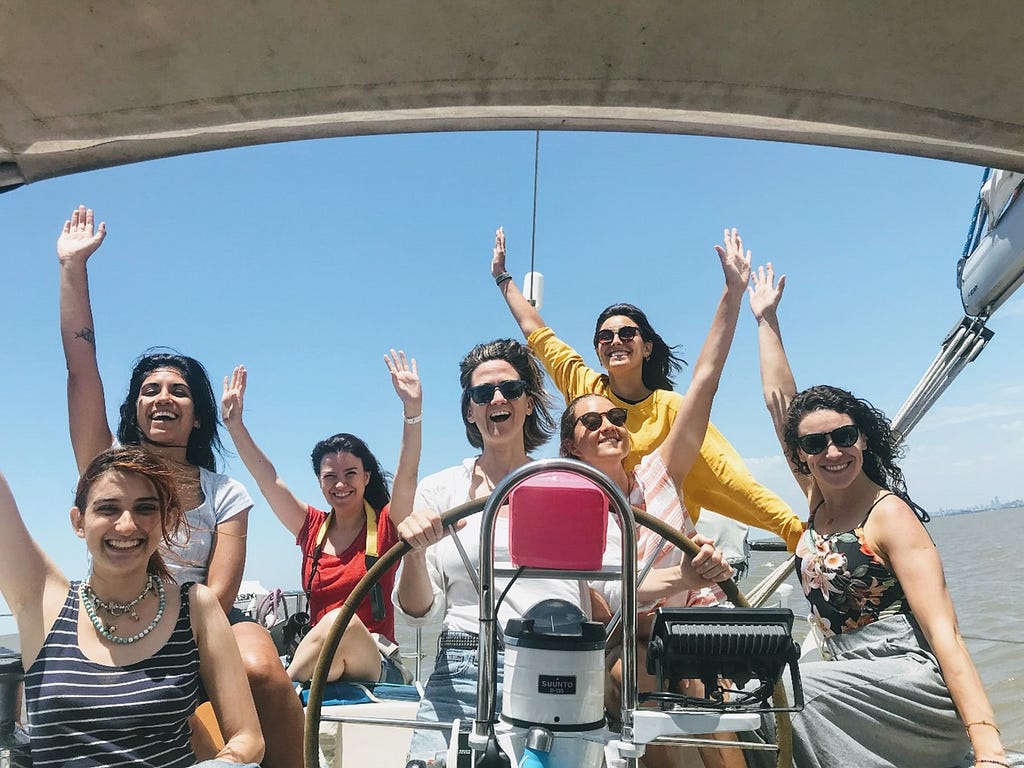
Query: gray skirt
881,703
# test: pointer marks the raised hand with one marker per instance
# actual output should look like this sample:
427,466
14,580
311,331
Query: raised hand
234,392
498,257
765,293
406,381
80,238
735,264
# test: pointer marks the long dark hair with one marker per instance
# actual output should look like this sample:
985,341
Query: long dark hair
882,451
663,363
148,465
540,425
204,441
377,493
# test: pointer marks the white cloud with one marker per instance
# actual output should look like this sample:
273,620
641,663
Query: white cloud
1005,402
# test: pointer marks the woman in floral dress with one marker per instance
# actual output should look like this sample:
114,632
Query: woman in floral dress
898,687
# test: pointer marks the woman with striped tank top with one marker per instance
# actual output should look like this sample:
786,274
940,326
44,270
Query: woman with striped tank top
114,663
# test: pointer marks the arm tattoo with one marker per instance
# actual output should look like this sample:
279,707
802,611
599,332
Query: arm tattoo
87,335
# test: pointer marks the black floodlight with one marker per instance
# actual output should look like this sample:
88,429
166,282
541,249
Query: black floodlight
726,649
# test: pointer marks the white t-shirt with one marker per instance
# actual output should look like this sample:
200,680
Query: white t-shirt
456,603
223,498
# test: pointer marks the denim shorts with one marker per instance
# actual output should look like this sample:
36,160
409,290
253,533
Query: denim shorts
450,693
392,672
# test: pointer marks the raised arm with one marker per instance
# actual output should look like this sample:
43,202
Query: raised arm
289,510
32,585
90,433
522,310
406,381
680,448
777,380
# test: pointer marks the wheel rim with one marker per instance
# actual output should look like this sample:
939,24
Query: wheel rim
314,704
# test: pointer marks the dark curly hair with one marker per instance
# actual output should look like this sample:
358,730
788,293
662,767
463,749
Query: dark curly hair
148,465
540,425
204,442
882,451
663,363
376,493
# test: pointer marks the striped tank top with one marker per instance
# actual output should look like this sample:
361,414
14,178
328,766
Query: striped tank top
83,714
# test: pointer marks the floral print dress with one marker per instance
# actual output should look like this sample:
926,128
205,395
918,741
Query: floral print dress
844,581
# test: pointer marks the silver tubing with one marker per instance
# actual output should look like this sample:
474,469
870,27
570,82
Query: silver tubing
613,622
394,722
465,558
486,685
419,653
961,346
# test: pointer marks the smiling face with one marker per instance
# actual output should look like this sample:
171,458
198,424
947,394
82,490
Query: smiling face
603,447
835,467
121,521
618,354
164,408
343,481
500,419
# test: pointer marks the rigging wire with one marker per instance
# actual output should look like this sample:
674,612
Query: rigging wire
533,228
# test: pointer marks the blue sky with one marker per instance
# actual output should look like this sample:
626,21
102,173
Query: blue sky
307,261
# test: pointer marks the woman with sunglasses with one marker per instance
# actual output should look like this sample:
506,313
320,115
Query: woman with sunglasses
593,429
339,545
114,663
505,412
900,688
170,410
639,367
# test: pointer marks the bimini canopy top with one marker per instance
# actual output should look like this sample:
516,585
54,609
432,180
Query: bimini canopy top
86,85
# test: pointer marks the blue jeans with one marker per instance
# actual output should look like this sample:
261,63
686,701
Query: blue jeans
450,693
390,672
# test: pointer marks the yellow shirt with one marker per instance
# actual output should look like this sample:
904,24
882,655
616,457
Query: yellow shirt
719,480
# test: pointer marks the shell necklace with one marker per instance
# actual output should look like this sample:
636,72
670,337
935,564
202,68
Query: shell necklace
91,602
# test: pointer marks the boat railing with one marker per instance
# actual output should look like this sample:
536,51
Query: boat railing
14,742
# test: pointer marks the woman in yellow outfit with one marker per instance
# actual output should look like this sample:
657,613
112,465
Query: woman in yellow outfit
638,365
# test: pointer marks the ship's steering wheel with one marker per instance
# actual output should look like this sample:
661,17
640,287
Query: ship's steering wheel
314,705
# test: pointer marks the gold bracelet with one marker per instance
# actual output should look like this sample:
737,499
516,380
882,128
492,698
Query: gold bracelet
993,762
984,722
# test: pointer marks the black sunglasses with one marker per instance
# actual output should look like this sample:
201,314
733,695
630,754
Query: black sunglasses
482,394
592,420
816,442
625,333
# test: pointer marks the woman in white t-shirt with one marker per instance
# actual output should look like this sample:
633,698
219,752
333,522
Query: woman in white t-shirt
170,410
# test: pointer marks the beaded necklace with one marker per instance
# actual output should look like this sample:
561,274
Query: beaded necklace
92,602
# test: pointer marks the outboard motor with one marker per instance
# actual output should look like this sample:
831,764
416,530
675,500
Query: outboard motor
14,742
554,677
